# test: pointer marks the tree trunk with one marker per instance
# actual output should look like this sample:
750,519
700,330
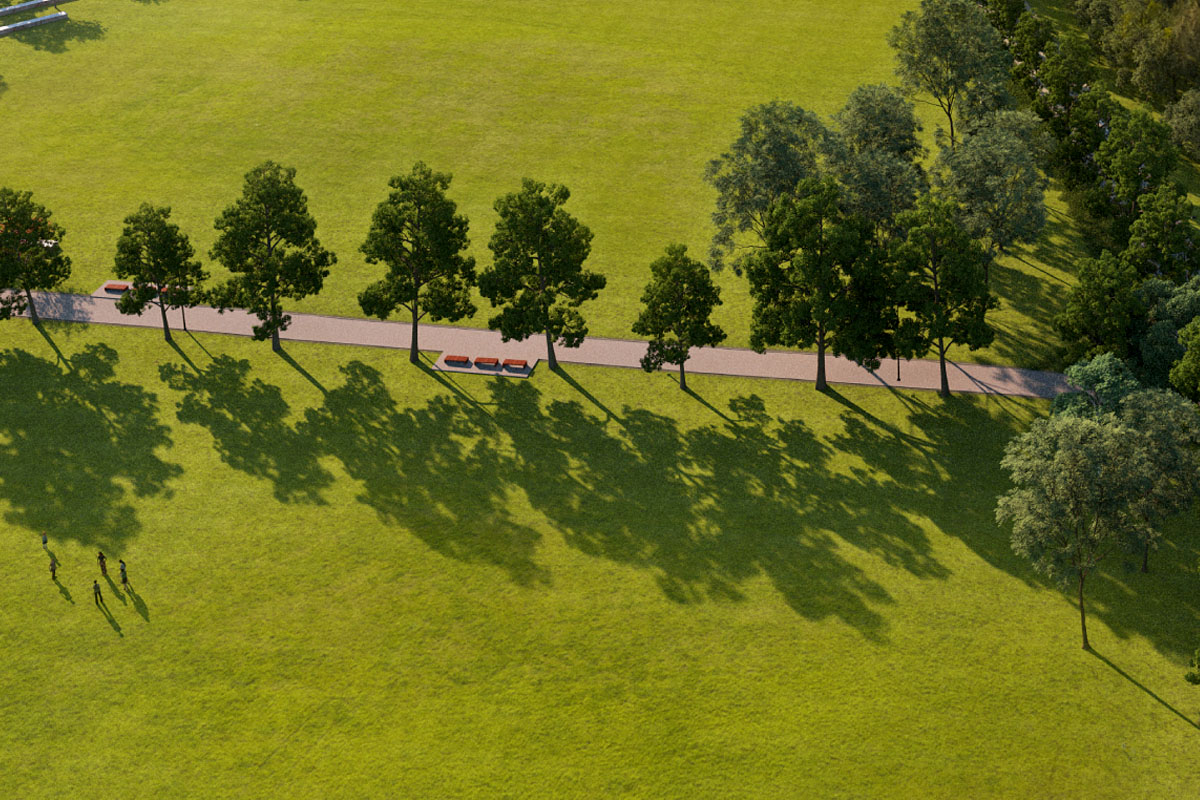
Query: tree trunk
821,384
682,375
163,310
1146,556
550,352
945,390
275,341
32,307
413,356
183,313
1082,615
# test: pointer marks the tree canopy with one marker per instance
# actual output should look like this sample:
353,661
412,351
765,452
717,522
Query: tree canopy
267,239
31,256
159,261
677,306
419,235
537,277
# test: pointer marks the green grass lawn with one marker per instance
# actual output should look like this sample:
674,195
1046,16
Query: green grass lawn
623,101
353,578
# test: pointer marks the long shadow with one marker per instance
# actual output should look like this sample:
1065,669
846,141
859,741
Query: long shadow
64,592
112,621
112,587
59,36
139,604
692,393
76,444
283,354
248,422
58,353
435,470
186,358
1142,686
574,384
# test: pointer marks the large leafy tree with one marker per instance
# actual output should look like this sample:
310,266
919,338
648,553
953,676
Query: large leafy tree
1101,384
1184,118
1076,483
1185,375
31,256
949,51
419,235
780,145
267,239
677,306
537,276
1101,308
819,282
1168,427
159,261
944,283
995,179
874,154
1135,159
1164,241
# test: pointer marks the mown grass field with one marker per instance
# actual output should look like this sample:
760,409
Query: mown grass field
623,101
354,578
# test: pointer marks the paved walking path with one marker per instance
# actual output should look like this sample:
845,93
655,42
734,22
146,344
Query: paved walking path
474,342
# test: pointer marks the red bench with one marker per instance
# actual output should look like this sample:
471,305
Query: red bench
490,363
515,363
458,361
116,288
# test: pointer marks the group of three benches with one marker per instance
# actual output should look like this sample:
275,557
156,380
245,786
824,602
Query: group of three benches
28,7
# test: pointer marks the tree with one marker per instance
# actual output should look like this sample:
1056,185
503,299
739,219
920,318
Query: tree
1101,308
1080,136
417,233
1031,39
1184,118
818,280
267,239
159,261
993,176
779,146
1193,675
944,284
874,155
1163,240
951,52
537,273
1168,427
1185,375
1102,383
1076,483
1064,77
677,302
1003,14
1135,159
1155,338
31,256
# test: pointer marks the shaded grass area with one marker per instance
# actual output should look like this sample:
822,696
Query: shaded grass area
624,102
356,578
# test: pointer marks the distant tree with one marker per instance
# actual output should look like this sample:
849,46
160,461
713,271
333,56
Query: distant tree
1100,308
1065,76
1135,160
816,280
1102,383
1185,375
1077,481
1080,136
1168,427
31,256
951,52
874,152
1003,14
944,280
1155,345
267,239
537,274
779,146
993,176
158,260
1163,240
1031,39
1183,116
677,305
417,233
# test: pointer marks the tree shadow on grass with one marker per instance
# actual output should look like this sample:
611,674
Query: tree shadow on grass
57,37
76,444
248,422
1141,686
435,470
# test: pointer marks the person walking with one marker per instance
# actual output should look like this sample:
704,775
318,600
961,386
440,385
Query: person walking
96,592
45,541
124,575
53,568
103,563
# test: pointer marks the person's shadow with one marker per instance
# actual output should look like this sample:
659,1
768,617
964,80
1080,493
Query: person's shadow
116,592
63,591
139,605
116,626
